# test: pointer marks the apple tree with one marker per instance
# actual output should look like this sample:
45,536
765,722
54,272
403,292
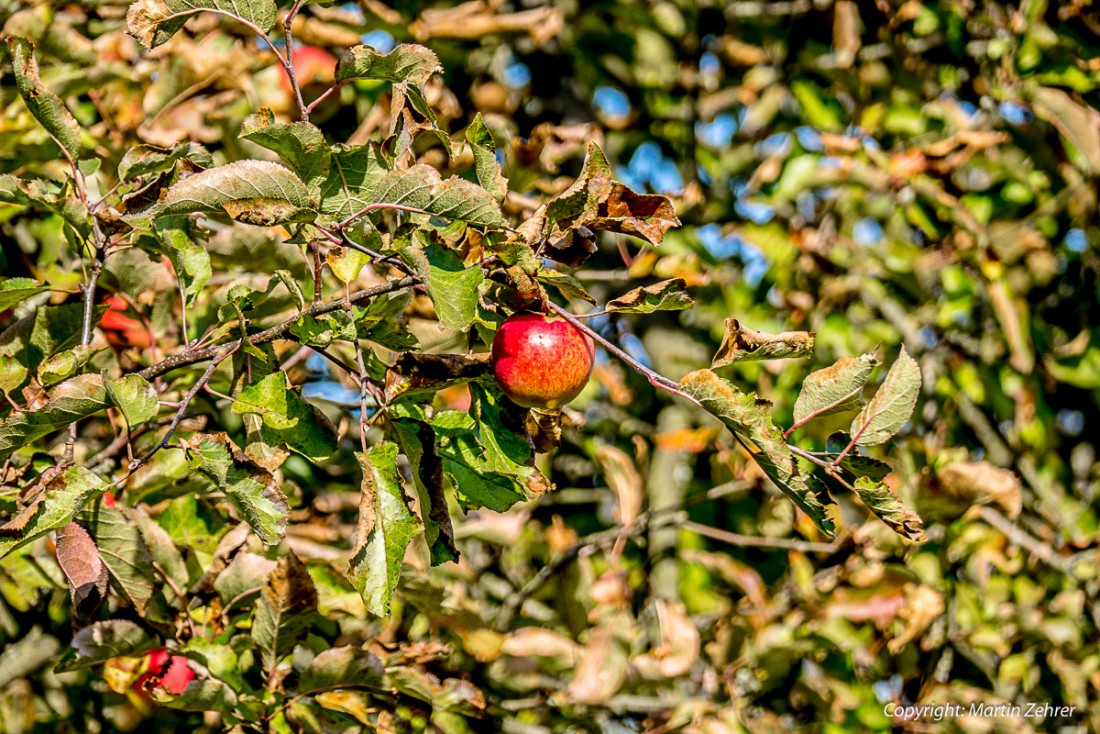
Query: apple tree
251,288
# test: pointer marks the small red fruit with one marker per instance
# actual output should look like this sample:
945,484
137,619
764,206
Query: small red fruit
123,331
170,672
541,361
312,65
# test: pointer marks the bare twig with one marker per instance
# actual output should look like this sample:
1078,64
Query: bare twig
655,378
288,35
752,541
192,356
199,384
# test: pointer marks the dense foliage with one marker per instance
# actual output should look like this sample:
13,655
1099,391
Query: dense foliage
255,256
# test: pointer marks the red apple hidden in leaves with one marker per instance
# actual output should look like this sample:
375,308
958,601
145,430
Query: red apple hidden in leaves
541,361
170,672
123,331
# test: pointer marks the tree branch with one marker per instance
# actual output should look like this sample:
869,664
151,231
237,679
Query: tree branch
275,332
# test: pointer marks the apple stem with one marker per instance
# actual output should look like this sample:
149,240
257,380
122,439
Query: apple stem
655,378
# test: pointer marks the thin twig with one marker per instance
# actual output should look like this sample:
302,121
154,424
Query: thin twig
179,595
192,356
655,378
225,353
1021,538
752,541
288,35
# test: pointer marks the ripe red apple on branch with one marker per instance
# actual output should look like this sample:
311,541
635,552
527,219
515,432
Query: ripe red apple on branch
170,672
541,361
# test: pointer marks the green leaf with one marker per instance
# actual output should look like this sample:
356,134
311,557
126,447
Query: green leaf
161,547
254,192
567,285
405,63
100,641
889,508
485,159
253,491
339,666
835,389
892,404
144,159
123,551
421,187
284,610
741,414
54,507
153,22
346,262
46,107
301,145
668,295
863,466
353,174
386,526
201,694
134,397
488,459
72,400
47,196
417,442
287,279
174,239
12,375
742,344
64,364
14,291
287,418
451,285
245,573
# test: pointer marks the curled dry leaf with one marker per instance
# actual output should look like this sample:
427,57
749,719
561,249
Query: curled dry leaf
80,561
602,668
668,295
625,481
979,481
742,344
921,607
535,642
680,641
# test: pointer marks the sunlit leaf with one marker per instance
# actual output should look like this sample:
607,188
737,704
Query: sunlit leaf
892,404
386,525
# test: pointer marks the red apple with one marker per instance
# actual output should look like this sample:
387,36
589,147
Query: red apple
541,361
123,331
312,66
170,672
